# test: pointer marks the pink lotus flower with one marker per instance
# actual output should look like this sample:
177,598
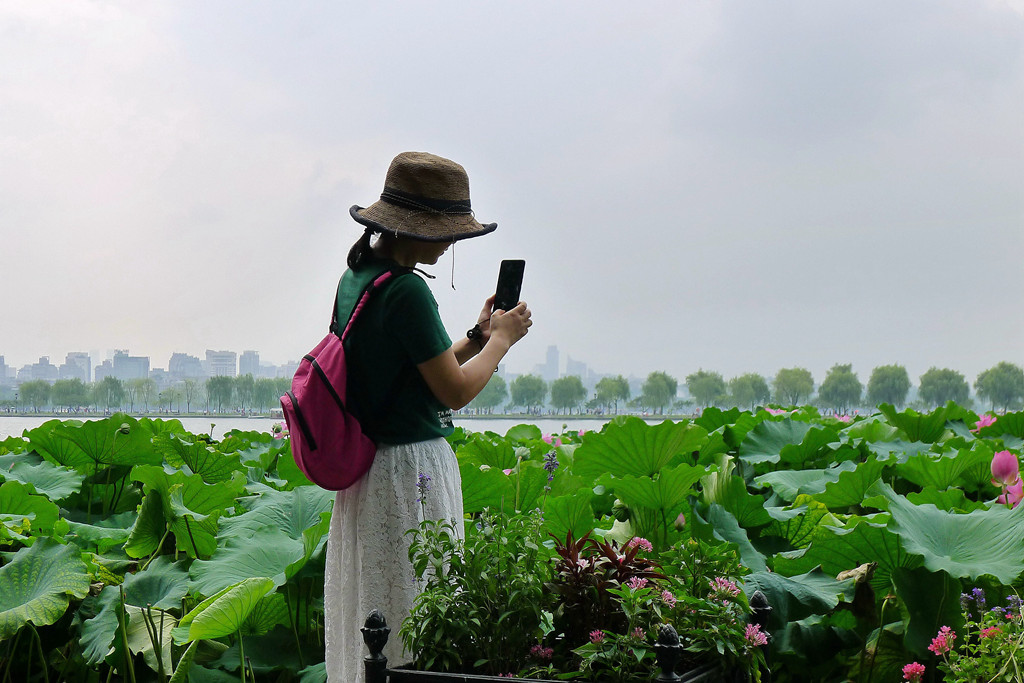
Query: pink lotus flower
754,636
596,636
843,418
943,641
680,522
985,420
551,439
582,432
1005,469
508,471
644,544
1012,495
776,411
913,672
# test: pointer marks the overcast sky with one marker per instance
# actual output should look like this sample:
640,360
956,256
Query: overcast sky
733,186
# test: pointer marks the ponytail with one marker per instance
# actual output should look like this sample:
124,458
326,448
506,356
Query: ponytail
360,250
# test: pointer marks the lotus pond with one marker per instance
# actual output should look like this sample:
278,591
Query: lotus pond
890,546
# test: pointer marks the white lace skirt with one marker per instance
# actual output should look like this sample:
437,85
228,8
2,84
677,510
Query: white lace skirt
367,560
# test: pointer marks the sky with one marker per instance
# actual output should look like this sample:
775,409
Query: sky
728,186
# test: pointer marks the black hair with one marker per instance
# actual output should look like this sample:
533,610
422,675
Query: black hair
360,250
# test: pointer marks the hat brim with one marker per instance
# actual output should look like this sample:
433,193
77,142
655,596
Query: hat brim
421,225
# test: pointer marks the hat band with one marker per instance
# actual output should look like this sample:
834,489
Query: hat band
419,203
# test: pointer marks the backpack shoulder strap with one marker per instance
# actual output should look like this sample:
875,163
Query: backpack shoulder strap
376,283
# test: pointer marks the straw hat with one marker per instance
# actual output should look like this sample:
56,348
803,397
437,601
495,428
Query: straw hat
425,197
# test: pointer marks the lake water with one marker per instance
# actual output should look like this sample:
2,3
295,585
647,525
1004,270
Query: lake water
14,425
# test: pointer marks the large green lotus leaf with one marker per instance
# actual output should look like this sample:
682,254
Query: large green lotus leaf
150,525
712,418
838,549
53,481
484,488
162,584
714,521
266,553
181,672
226,614
940,471
117,440
50,440
270,611
926,427
527,482
143,626
951,500
1010,424
100,629
764,443
290,472
665,491
800,529
293,512
274,651
192,505
523,432
871,430
496,453
20,509
37,584
314,673
815,443
180,634
633,448
104,534
573,513
12,444
963,545
929,600
198,456
714,446
731,493
851,486
791,483
897,450
796,597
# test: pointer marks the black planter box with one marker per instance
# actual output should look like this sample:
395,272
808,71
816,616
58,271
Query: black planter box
668,650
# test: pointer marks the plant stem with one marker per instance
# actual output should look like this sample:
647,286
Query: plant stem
10,660
42,657
188,528
241,654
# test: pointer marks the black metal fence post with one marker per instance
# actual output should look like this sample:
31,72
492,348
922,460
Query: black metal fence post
667,651
375,635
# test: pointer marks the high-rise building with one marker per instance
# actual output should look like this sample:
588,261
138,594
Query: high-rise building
249,364
104,370
45,370
3,372
77,365
130,367
221,363
183,366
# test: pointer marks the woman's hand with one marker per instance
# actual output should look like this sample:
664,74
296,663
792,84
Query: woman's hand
510,326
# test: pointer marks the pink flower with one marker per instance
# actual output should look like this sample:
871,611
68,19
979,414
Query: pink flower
644,544
984,421
1012,495
843,418
582,563
1005,468
680,522
754,636
582,432
991,632
636,583
508,471
722,585
668,598
776,411
542,653
638,633
551,439
546,438
913,672
596,636
279,430
943,641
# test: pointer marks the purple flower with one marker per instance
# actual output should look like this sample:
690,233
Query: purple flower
551,464
668,598
636,583
965,602
979,598
423,486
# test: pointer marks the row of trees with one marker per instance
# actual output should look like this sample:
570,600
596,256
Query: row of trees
1001,386
216,394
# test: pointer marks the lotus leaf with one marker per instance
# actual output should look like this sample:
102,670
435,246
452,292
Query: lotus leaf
523,432
791,483
799,530
573,513
270,611
53,481
940,471
764,443
225,613
140,634
796,597
963,545
635,449
149,528
480,450
163,584
20,509
198,456
265,553
929,600
37,584
714,521
926,427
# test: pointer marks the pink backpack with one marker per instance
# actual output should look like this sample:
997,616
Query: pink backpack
327,440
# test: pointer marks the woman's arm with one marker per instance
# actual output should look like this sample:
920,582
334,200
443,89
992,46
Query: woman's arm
455,384
466,348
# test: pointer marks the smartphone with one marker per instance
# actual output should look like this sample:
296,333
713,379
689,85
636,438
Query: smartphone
510,283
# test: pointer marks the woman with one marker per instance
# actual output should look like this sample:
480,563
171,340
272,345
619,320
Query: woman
405,378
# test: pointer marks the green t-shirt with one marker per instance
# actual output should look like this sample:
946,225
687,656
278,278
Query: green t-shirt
399,328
